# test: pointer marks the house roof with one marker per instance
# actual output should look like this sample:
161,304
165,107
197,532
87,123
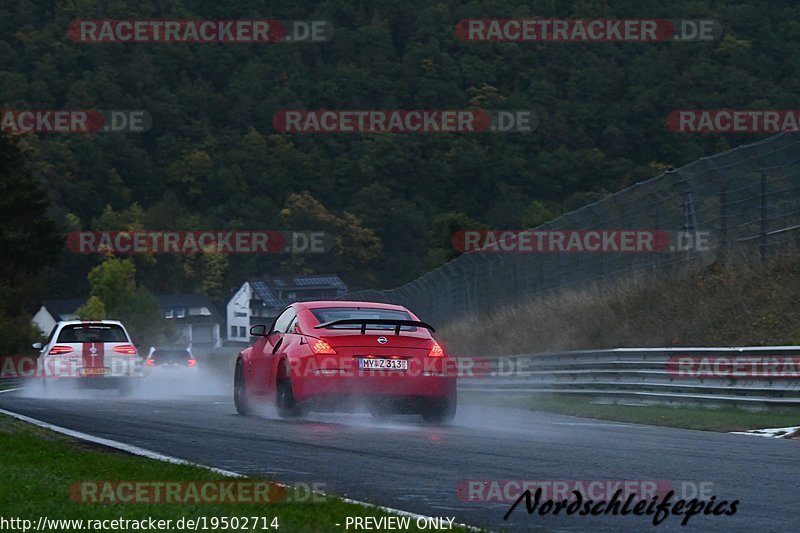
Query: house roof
187,301
59,308
268,288
317,281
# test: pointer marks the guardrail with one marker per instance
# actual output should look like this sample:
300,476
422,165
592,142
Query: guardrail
710,376
10,383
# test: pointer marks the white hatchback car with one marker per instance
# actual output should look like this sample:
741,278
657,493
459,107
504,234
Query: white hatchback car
100,353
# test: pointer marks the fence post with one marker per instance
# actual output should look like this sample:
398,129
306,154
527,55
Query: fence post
689,219
723,220
467,280
655,206
762,240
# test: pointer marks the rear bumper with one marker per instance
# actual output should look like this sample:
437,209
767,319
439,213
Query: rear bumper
110,382
51,368
389,387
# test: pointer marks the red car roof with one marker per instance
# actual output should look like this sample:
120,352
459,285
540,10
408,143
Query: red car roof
342,303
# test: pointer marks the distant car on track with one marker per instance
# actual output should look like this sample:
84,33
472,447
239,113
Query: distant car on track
93,353
338,355
170,359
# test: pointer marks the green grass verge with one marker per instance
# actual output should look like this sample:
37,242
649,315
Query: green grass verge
39,466
722,419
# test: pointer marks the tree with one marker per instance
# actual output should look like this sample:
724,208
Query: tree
212,270
213,159
93,309
443,228
537,214
29,241
112,282
113,285
354,248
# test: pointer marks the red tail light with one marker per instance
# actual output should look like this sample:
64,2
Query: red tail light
150,361
58,350
436,351
127,349
320,347
192,362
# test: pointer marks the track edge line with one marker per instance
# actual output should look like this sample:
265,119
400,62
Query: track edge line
150,454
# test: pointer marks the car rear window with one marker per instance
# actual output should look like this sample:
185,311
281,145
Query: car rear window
170,356
329,314
92,333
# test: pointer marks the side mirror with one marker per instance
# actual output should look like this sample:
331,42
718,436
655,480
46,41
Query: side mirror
37,346
258,331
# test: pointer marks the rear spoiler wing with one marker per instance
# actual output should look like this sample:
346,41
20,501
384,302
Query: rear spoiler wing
364,322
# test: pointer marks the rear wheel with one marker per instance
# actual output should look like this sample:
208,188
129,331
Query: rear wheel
284,396
240,391
440,411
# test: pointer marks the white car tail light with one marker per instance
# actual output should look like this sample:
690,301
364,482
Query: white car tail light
127,349
59,350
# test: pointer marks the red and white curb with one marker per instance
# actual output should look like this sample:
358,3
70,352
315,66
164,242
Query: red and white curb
773,433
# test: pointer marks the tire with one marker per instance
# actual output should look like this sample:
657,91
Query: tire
240,399
440,411
284,395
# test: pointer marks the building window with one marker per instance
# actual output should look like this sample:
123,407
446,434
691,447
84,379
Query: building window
168,313
233,331
242,331
180,312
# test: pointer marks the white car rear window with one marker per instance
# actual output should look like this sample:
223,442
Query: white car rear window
92,333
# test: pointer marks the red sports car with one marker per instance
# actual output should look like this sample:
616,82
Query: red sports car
331,356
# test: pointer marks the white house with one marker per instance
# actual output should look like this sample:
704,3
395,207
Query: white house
51,311
197,321
259,300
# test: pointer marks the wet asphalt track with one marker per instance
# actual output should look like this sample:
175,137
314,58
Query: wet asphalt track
404,464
